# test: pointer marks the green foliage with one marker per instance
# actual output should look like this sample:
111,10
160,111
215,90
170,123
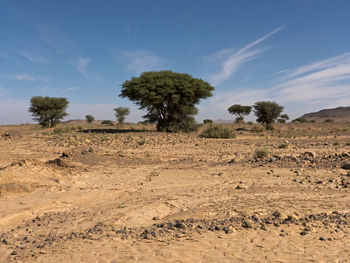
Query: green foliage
301,120
121,113
239,111
207,121
48,111
89,118
107,122
328,121
267,112
218,132
284,117
168,97
347,144
261,153
250,123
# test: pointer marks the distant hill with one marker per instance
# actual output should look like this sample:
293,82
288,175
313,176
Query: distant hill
340,114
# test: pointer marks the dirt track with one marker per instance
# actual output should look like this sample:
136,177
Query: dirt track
152,197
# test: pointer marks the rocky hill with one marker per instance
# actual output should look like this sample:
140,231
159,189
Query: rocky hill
339,114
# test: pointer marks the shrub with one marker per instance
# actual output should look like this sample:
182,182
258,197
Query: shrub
260,153
207,121
328,120
108,122
250,123
257,128
336,143
218,132
302,120
347,143
283,146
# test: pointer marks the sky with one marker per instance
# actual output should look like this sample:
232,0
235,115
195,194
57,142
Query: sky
294,52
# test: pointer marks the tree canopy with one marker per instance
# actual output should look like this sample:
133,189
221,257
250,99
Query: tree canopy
239,111
89,118
121,113
168,97
267,112
48,111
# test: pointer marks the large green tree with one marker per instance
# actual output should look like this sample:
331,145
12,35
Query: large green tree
168,97
239,111
121,113
267,112
48,111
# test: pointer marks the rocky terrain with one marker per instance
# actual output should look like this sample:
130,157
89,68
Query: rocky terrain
130,194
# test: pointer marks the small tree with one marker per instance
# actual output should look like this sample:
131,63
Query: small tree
121,113
89,118
283,118
267,112
48,111
239,111
168,97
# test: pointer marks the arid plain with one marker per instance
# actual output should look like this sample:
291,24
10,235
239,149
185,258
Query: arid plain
108,194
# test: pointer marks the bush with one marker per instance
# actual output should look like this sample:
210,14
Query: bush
261,153
207,121
218,132
258,128
283,146
108,122
328,120
302,120
347,143
250,123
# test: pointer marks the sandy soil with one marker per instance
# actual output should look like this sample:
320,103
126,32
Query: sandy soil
130,196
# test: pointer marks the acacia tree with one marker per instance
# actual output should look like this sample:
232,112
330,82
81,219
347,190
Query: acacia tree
89,118
267,112
168,97
121,113
48,111
239,111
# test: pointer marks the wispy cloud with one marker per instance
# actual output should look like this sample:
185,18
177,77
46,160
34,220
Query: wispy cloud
68,89
81,64
33,57
141,61
322,82
24,76
235,59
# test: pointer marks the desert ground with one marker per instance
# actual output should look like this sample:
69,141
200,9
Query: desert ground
130,194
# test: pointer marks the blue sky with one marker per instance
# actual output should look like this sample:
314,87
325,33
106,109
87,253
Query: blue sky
296,53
